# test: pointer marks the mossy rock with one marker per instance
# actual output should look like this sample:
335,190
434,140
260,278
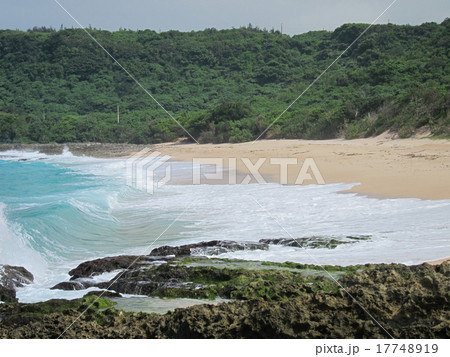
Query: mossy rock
89,304
209,282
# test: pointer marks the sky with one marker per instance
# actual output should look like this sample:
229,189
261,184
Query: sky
296,16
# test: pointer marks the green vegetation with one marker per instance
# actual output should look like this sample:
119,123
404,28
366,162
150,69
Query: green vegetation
441,137
223,86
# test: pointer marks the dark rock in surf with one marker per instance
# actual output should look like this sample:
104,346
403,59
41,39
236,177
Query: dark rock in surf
15,277
213,247
105,294
82,276
73,285
12,277
7,295
311,242
99,266
225,247
104,265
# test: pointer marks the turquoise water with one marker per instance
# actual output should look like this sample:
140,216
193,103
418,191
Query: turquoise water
61,213
43,200
57,211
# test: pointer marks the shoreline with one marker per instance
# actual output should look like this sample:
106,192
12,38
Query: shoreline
244,299
438,261
379,167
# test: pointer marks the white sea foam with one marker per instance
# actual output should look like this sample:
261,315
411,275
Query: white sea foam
114,219
14,247
16,155
402,230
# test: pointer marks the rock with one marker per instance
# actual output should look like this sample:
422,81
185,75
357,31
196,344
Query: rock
393,294
289,242
210,281
82,276
214,247
104,265
12,277
183,250
7,295
104,294
225,247
76,284
312,242
427,282
69,285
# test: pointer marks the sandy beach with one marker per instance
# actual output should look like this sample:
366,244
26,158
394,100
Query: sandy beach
439,261
380,166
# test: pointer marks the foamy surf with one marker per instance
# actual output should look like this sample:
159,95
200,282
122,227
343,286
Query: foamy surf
15,248
60,210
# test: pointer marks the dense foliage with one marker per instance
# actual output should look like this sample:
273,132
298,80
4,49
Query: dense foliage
228,85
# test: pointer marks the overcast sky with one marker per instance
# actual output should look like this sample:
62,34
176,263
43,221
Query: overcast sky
297,16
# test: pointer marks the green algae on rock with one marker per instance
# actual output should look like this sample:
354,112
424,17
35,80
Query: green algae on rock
416,307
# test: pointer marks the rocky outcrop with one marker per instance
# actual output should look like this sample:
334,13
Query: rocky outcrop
104,294
7,295
268,299
79,284
408,302
314,242
104,265
81,276
213,247
99,266
12,277
210,281
96,267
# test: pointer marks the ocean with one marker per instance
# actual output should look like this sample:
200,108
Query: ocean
57,211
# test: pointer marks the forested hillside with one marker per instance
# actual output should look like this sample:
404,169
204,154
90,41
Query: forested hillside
223,86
